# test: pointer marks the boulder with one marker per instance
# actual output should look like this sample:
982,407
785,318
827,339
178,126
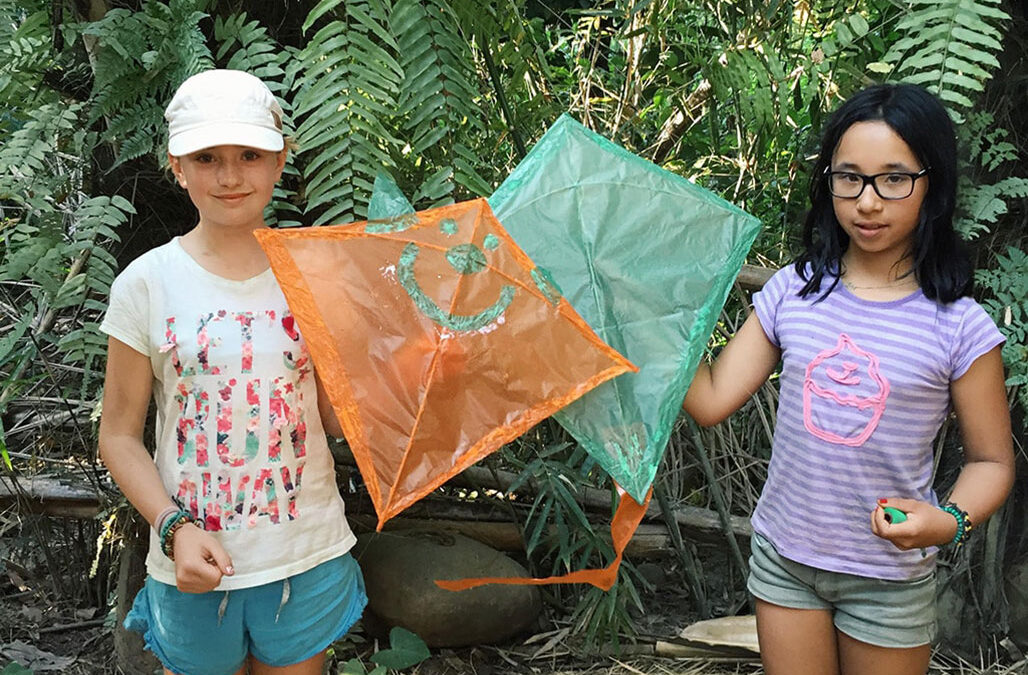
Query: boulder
400,569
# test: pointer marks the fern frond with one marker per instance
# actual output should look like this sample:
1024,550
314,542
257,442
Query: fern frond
982,205
345,93
741,76
439,97
950,46
251,49
142,58
26,50
30,157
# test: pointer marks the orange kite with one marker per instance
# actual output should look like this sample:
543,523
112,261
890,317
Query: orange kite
437,339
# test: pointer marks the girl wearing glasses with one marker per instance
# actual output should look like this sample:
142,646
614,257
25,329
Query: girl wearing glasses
878,338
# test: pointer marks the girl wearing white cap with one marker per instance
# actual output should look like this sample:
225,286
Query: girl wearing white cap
248,565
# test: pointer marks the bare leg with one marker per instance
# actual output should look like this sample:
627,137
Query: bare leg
796,641
312,666
861,658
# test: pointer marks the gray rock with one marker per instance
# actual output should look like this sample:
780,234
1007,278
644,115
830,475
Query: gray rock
400,569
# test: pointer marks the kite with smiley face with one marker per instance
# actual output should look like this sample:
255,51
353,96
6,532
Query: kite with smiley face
437,339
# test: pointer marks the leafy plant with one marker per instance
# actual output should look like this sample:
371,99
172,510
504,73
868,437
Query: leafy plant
438,99
559,537
140,58
346,89
949,46
406,649
1008,303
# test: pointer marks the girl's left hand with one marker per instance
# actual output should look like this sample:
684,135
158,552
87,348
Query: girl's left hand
925,526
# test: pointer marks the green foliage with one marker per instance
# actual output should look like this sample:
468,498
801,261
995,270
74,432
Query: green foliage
346,91
981,203
140,58
438,99
560,536
4,454
1008,304
25,48
949,46
31,166
406,649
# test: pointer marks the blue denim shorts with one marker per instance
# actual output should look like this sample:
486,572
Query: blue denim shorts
876,611
279,623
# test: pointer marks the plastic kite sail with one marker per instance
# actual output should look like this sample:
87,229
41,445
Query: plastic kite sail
437,339
647,259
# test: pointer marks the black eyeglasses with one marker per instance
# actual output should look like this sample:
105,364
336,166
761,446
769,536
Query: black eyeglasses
889,185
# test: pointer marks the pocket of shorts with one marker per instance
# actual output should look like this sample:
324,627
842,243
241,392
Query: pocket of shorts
763,543
919,582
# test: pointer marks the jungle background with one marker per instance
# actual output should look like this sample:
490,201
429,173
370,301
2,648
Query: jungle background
447,96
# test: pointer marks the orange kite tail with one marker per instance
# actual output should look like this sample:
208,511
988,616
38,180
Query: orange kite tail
626,521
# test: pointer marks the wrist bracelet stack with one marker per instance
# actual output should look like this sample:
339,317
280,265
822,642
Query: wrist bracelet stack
964,525
158,522
168,523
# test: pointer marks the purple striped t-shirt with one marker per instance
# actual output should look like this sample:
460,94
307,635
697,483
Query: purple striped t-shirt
864,390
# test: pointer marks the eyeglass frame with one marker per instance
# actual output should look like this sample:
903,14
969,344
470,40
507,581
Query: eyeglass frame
870,180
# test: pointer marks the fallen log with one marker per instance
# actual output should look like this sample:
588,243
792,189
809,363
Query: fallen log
649,541
699,521
48,495
753,277
74,497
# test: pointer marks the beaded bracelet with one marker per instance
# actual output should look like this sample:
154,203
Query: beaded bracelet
168,529
964,524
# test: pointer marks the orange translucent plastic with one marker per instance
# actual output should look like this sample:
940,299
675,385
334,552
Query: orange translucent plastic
436,338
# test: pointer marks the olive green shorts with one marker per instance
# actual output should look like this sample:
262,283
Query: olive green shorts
876,611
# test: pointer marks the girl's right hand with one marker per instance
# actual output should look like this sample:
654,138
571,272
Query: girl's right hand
200,560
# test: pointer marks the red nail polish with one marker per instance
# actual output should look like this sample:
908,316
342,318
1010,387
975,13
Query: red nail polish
883,501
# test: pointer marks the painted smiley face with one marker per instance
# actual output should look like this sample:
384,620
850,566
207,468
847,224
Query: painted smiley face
466,259
844,394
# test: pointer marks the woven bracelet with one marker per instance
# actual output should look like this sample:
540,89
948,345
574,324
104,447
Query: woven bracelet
168,529
964,525
158,523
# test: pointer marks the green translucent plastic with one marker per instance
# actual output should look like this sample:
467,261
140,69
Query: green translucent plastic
387,201
643,255
647,259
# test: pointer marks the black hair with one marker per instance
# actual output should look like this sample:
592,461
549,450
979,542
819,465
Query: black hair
940,261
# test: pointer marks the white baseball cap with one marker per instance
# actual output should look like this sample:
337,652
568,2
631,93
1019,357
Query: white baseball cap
223,107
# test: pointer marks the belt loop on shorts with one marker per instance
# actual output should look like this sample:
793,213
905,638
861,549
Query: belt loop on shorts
285,597
222,606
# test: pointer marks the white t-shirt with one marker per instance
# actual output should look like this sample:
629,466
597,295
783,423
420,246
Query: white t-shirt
239,441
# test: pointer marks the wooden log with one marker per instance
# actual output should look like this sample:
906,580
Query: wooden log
63,497
649,541
47,495
753,278
699,521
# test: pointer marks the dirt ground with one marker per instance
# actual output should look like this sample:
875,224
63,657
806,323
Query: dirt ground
80,642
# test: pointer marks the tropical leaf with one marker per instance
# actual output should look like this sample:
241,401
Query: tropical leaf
949,46
438,97
345,93
141,58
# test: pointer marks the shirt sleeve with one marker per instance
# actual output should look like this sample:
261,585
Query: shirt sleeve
976,335
767,301
126,318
